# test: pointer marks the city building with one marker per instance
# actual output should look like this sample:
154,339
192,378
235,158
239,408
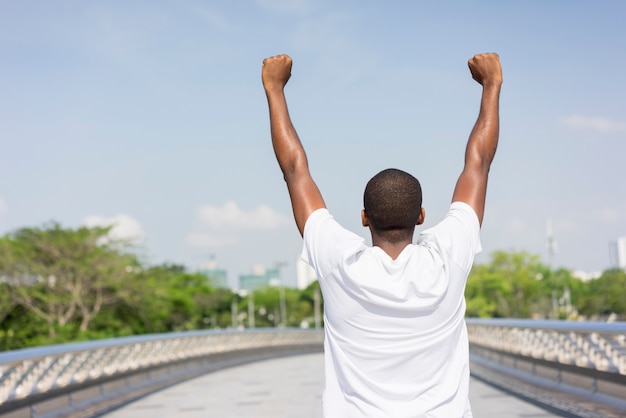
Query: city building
305,275
217,277
260,277
621,252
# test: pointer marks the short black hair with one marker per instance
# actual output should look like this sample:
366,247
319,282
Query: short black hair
393,202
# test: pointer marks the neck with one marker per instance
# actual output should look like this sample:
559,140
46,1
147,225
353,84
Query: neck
393,249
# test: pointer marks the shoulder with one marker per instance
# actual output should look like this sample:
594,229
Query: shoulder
456,236
459,215
326,242
322,224
465,213
318,215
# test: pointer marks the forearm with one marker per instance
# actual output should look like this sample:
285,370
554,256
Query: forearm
471,187
483,140
287,146
303,192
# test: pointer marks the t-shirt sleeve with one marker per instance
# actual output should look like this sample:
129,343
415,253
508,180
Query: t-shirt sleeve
327,244
457,236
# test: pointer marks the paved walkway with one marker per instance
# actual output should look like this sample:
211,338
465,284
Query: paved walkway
286,387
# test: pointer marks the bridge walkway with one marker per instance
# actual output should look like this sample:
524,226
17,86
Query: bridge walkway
285,387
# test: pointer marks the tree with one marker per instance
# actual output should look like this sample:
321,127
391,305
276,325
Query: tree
606,295
560,295
63,275
6,303
312,296
166,298
506,287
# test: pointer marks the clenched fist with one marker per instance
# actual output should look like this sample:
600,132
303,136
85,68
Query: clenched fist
276,71
486,69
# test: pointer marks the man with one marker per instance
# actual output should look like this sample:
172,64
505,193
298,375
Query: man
396,342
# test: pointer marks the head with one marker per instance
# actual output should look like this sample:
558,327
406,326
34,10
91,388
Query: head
392,205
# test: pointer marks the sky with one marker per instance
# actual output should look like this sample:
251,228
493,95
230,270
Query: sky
150,116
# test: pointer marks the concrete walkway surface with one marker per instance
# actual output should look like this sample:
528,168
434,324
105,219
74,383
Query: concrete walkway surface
288,387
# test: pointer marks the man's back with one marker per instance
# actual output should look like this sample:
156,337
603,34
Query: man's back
396,342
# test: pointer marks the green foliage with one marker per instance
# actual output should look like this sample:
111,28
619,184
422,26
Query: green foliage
504,287
606,295
62,276
561,294
60,285
6,303
20,328
518,285
267,306
165,298
312,296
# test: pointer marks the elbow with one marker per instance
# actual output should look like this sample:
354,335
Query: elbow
480,162
294,168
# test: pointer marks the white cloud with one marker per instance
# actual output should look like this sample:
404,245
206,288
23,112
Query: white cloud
221,226
231,217
610,215
124,227
300,7
595,123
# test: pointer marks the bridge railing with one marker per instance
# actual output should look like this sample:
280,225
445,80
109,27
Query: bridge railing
83,379
586,360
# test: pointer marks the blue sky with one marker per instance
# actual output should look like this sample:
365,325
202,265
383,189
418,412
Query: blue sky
151,114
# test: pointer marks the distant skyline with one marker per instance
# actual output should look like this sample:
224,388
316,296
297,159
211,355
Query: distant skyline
151,115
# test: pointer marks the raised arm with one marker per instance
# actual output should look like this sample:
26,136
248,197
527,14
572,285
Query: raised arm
304,194
471,186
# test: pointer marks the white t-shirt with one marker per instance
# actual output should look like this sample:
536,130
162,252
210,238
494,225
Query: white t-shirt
396,342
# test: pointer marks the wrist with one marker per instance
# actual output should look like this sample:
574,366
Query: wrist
273,88
492,84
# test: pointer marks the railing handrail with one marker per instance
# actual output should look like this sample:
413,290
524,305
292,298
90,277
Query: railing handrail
48,350
586,360
552,324
556,325
31,376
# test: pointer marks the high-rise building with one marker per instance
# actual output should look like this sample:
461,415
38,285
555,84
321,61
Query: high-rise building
260,277
621,252
305,275
217,277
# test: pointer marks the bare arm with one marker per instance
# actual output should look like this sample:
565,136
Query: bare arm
304,194
471,186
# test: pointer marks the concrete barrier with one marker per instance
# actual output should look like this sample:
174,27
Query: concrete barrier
583,359
84,379
552,359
